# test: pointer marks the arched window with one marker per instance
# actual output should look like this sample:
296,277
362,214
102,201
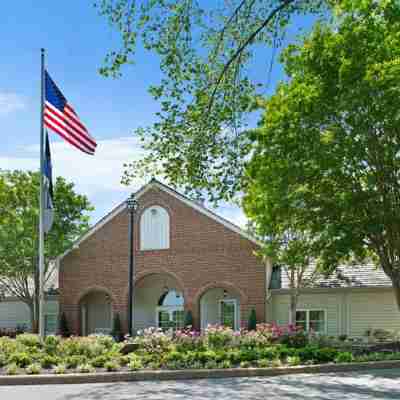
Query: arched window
170,313
154,229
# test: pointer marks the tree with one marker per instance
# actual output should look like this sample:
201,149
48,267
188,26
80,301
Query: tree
327,151
207,51
19,214
117,328
288,244
252,323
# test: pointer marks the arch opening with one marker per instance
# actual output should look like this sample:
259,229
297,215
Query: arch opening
158,302
220,306
96,313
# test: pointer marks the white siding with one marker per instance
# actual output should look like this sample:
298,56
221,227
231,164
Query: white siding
14,313
349,312
331,303
154,229
375,309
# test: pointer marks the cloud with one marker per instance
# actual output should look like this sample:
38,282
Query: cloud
98,176
10,102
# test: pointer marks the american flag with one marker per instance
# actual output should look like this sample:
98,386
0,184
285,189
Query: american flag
61,118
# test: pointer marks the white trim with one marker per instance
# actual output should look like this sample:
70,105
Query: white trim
170,310
155,184
307,311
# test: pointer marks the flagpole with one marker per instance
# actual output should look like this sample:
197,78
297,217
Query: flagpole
41,202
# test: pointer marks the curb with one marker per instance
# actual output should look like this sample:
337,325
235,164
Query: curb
108,377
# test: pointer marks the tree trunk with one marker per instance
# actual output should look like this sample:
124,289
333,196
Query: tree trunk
293,307
31,306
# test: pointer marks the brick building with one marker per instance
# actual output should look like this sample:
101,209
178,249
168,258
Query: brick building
186,258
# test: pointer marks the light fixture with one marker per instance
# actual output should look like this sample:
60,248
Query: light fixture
132,203
225,293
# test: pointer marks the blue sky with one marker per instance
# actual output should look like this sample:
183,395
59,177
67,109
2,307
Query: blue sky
76,39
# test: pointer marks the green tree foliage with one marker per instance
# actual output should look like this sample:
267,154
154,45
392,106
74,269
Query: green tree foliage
19,216
327,153
206,52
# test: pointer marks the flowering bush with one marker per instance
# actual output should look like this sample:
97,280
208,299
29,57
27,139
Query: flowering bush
216,336
269,345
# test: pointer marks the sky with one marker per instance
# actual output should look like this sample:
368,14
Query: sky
76,39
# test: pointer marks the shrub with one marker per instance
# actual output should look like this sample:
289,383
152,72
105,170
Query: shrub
226,364
245,364
252,323
296,339
188,319
3,360
21,359
74,361
51,343
135,365
106,341
33,369
293,360
342,338
219,336
212,364
264,363
28,340
276,363
234,356
326,354
117,333
249,355
269,353
344,357
48,361
12,369
99,361
206,356
85,368
63,327
60,369
111,366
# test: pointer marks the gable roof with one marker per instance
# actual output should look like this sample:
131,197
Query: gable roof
347,276
155,184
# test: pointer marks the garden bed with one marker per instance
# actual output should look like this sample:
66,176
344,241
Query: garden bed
218,348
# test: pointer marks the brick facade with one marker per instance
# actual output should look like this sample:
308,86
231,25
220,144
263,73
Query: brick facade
203,254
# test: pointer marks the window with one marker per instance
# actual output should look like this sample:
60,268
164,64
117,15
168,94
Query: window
170,312
314,320
50,323
228,313
154,229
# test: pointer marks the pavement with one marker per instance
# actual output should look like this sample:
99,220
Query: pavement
371,385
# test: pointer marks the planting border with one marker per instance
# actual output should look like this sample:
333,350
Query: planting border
108,377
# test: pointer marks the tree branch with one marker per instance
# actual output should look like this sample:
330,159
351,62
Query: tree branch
241,48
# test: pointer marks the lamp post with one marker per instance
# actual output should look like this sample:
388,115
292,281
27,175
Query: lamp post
132,205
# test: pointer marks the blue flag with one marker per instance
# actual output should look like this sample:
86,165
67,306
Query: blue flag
48,188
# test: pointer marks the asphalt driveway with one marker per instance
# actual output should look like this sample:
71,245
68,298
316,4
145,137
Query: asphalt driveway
375,384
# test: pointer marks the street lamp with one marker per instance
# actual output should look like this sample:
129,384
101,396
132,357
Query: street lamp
132,205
